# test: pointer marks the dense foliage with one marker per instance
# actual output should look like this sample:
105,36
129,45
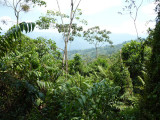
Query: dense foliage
121,86
150,102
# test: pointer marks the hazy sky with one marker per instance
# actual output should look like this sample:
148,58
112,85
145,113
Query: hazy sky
103,13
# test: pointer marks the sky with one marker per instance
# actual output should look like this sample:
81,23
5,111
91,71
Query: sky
103,13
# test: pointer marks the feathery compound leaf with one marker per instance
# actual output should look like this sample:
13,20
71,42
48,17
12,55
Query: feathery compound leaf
102,71
8,40
15,31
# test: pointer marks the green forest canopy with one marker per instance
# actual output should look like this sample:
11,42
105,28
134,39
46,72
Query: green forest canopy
34,84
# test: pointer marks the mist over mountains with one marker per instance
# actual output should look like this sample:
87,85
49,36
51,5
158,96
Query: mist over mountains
80,43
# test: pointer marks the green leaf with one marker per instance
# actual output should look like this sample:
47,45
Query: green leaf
41,95
14,33
29,26
18,31
141,80
25,27
83,98
33,26
90,92
80,101
86,84
21,26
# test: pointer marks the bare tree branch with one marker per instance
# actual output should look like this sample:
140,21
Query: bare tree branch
136,15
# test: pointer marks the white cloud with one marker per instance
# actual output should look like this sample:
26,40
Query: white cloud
5,19
52,5
88,6
127,27
149,9
6,22
95,6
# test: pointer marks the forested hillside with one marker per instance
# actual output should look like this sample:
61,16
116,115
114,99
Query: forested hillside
39,81
103,51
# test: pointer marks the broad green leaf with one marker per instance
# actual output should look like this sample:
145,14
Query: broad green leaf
29,27
33,26
90,92
83,98
86,84
25,27
21,26
80,101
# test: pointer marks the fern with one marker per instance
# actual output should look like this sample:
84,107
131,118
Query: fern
15,31
102,71
11,39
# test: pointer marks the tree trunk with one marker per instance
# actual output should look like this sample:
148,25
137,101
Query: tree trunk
17,19
135,26
63,61
96,50
72,14
66,56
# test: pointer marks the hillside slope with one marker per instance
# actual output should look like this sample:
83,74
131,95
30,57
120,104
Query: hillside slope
106,50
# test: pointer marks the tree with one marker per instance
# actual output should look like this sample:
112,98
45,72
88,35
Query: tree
67,36
150,99
68,29
97,37
121,77
157,9
132,9
135,61
76,65
21,5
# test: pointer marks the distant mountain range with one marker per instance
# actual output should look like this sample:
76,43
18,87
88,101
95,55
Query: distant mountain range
82,47
106,50
80,43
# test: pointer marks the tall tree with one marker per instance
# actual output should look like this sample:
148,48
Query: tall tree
151,99
97,37
132,8
21,5
68,29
